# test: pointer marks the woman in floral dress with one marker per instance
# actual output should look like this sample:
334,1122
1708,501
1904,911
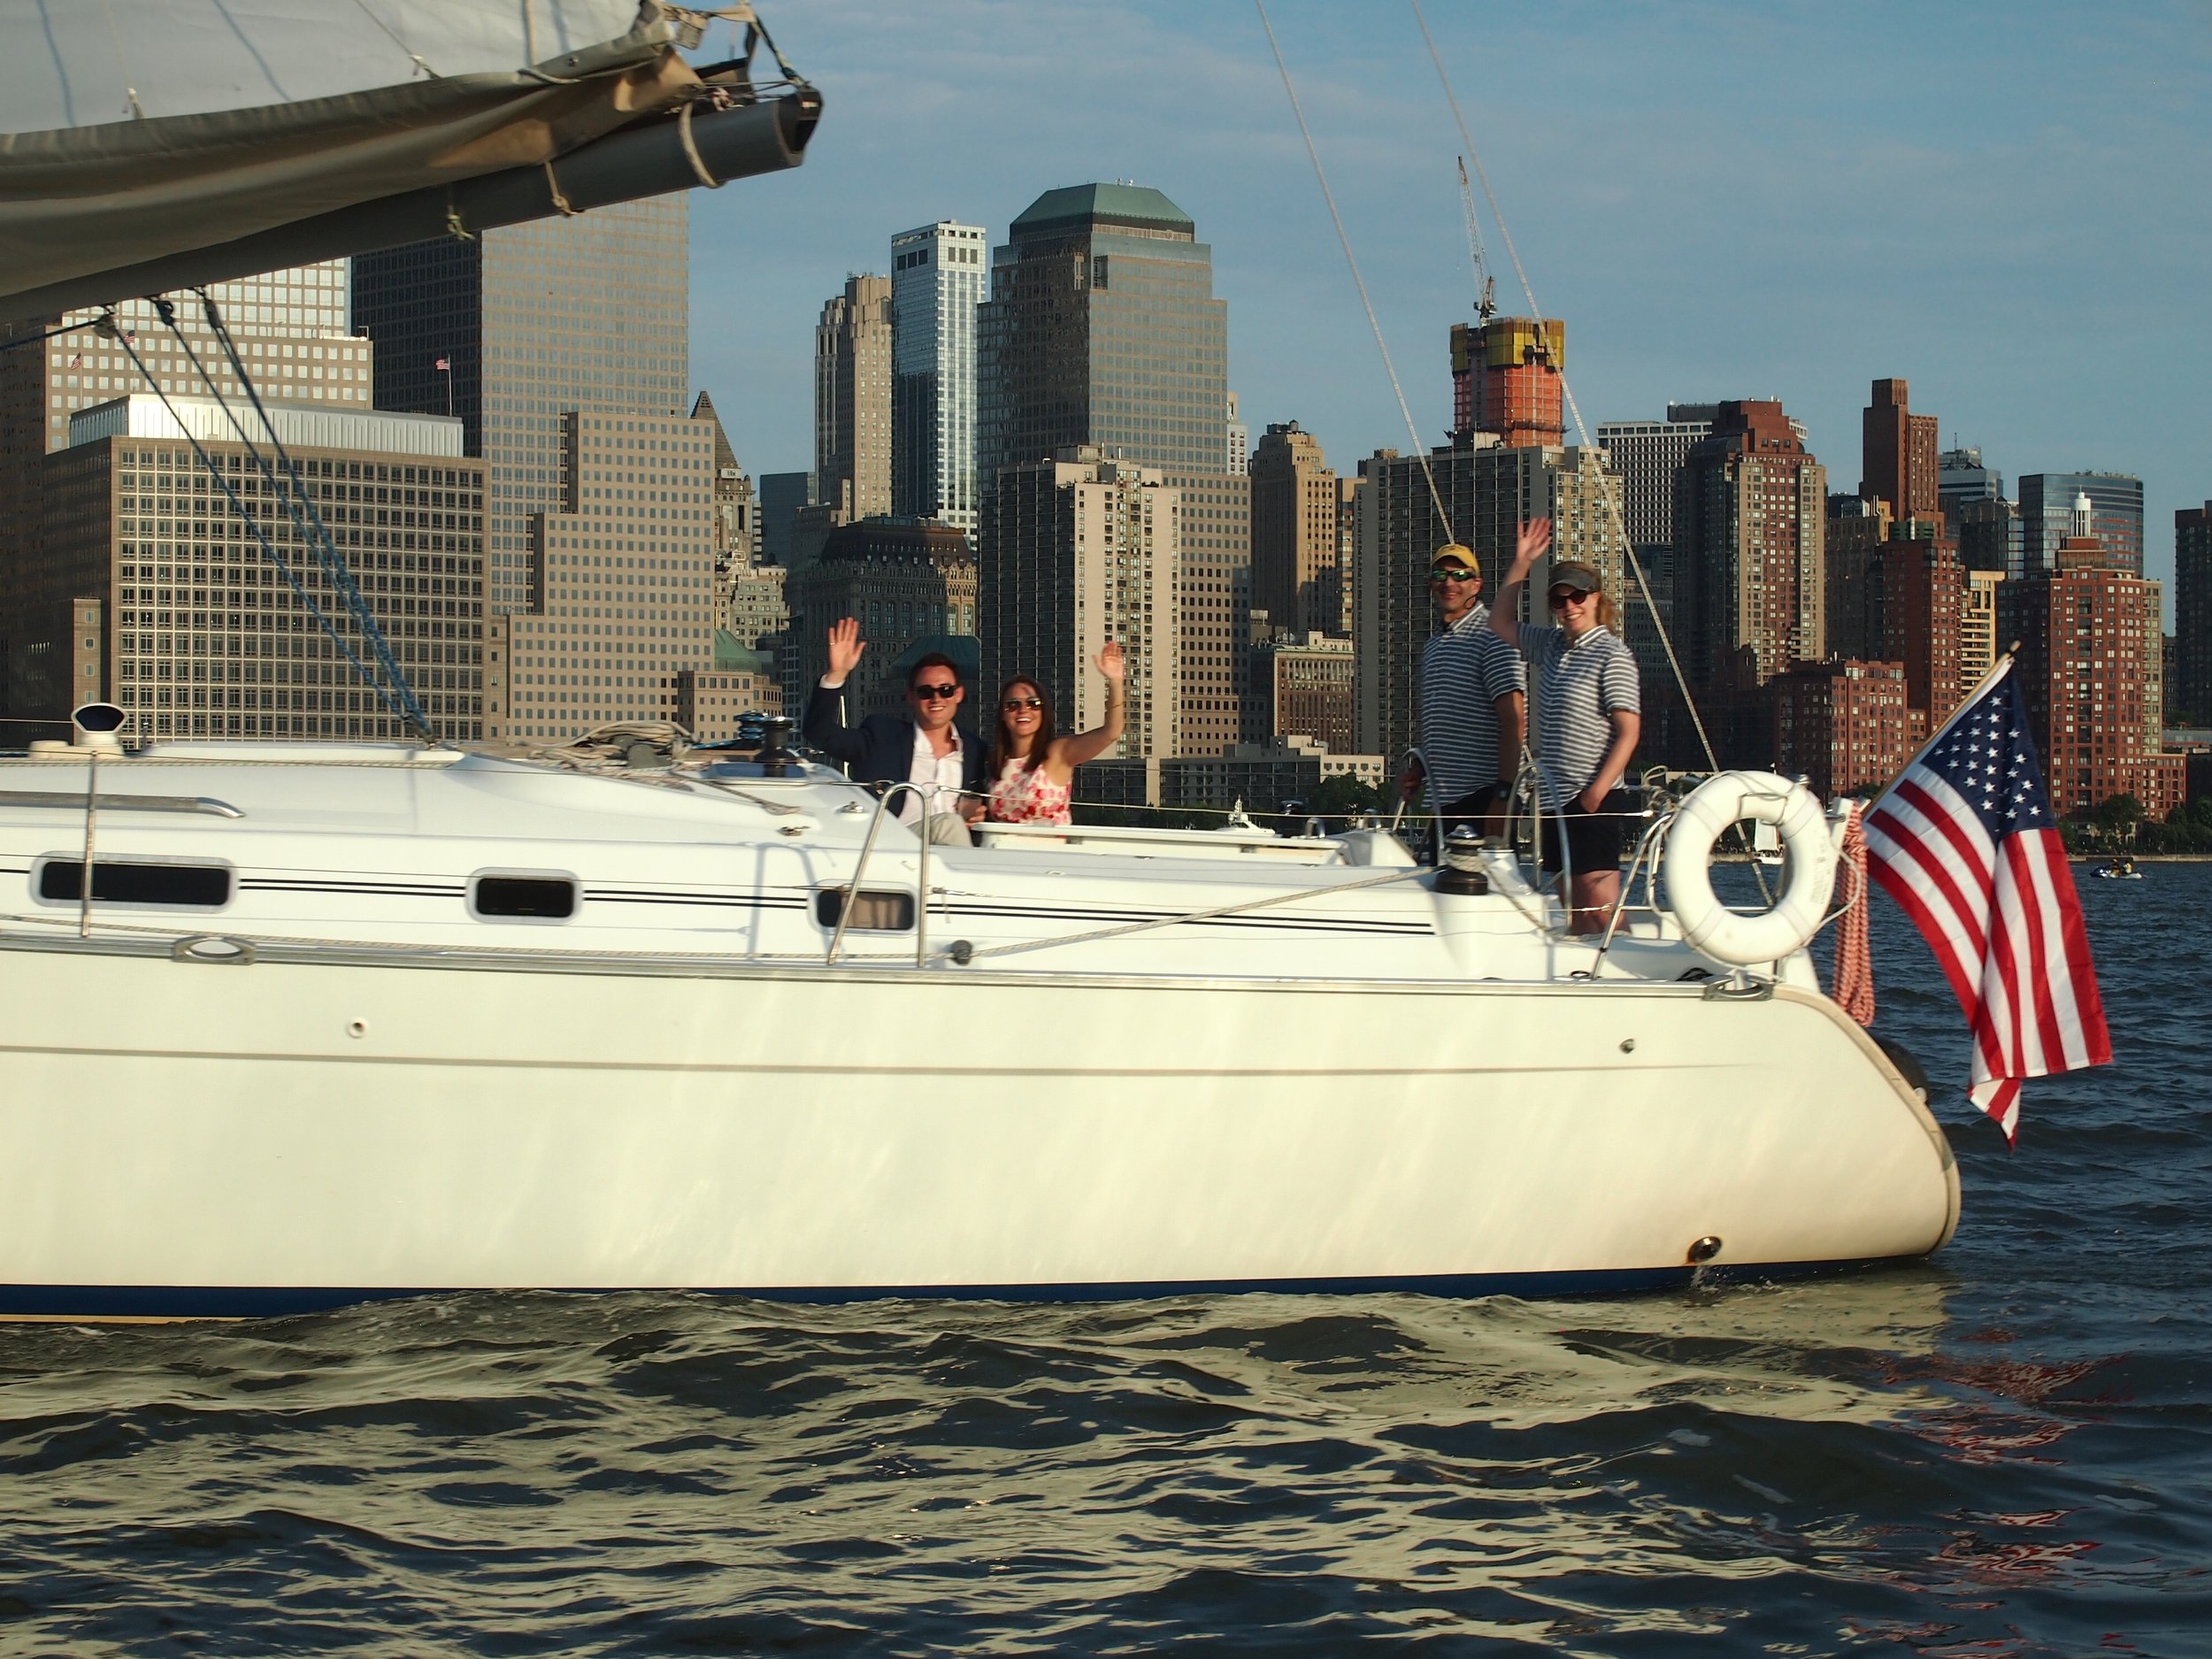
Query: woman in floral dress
1031,769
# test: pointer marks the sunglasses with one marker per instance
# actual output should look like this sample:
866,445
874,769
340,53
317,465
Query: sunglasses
1455,576
1565,597
936,693
1013,704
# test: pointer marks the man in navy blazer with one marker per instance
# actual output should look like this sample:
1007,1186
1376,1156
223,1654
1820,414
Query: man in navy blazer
931,747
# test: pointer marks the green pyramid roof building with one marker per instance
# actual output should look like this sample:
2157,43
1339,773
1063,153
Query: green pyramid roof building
1080,204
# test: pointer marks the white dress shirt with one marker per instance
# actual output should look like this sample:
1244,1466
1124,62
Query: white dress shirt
929,768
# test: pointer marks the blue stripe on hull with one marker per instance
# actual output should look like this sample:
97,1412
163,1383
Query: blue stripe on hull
219,1301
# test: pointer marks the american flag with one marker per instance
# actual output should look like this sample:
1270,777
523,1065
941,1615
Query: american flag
1965,841
443,363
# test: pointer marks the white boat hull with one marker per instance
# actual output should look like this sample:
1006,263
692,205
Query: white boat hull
187,1138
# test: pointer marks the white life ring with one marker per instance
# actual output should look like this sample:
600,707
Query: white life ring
1709,925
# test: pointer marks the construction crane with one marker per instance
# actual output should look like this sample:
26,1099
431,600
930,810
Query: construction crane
1485,290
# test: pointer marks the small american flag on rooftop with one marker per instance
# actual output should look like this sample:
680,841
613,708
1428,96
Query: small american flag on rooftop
1966,842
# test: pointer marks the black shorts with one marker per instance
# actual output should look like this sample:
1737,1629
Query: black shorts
1595,840
1470,809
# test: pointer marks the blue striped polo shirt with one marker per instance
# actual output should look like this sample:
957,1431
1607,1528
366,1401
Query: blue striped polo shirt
1465,669
1579,686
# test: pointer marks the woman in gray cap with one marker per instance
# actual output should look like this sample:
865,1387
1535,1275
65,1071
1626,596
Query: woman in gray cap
1589,715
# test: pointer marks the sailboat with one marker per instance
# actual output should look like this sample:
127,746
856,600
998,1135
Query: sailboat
289,1025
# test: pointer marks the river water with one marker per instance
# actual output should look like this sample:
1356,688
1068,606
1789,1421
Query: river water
2004,1451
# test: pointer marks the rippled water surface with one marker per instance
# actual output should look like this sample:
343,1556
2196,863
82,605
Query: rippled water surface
2004,1451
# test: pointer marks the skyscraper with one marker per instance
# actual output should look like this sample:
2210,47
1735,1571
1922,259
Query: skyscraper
2046,514
1102,331
1899,467
1923,595
517,327
937,282
1296,578
1978,626
1845,725
184,620
1240,450
852,399
783,495
1644,456
625,566
1962,478
1988,533
1305,685
1506,380
2090,641
1084,549
2193,612
291,332
1399,530
910,583
1750,514
1851,574
736,513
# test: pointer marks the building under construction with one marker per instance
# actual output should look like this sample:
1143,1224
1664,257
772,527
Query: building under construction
1505,380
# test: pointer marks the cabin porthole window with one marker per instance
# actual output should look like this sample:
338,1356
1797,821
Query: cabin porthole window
873,912
522,895
171,885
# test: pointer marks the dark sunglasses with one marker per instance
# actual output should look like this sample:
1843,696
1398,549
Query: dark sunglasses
1013,704
927,693
1455,576
1562,597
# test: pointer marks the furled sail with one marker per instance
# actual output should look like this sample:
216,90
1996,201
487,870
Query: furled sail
204,140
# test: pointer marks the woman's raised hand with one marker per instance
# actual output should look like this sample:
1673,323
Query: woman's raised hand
1529,546
1109,663
845,647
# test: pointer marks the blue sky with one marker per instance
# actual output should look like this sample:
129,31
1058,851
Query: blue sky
2005,204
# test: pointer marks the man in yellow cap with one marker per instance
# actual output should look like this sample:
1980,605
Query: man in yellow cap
1473,703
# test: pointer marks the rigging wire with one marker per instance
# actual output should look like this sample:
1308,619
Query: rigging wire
238,506
421,66
319,539
52,333
1612,497
1420,450
122,62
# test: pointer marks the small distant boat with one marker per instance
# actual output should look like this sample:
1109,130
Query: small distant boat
2118,870
1766,844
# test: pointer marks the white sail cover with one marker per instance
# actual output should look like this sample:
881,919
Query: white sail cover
136,131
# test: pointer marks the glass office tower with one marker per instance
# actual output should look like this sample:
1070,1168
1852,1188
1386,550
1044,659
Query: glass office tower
2046,516
936,285
1101,328
512,329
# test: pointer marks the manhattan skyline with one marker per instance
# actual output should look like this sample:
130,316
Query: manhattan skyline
1720,202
